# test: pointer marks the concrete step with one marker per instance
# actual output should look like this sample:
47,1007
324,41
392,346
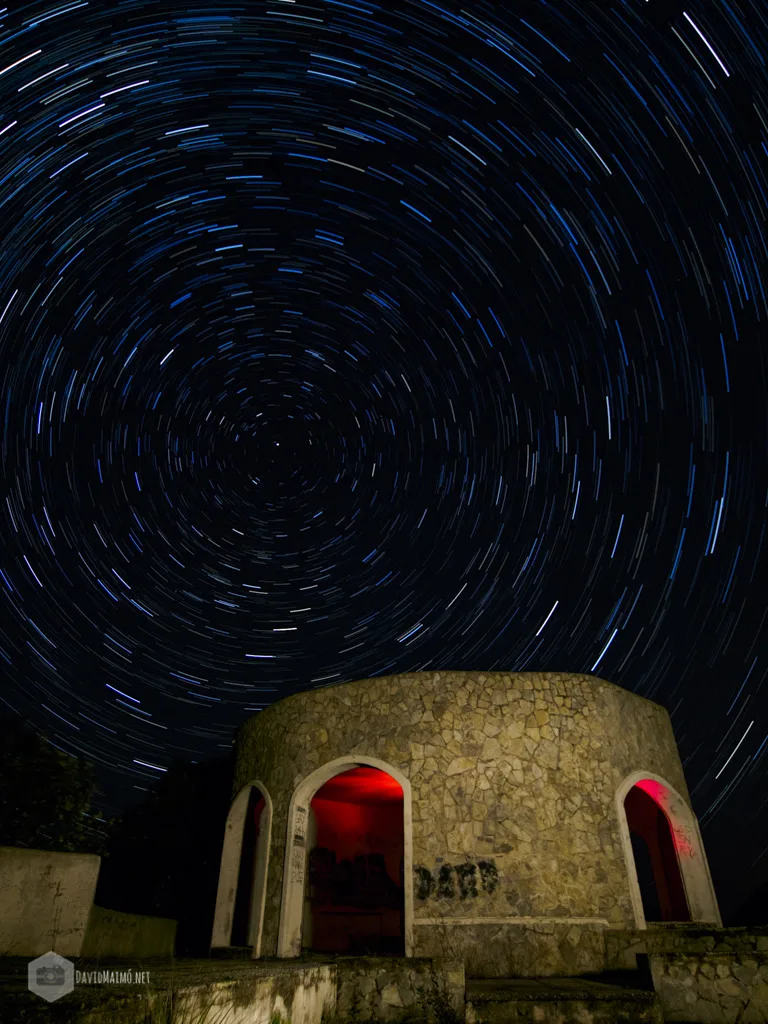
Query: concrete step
232,952
558,1001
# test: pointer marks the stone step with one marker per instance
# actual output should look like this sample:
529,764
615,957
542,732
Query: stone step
232,952
558,1001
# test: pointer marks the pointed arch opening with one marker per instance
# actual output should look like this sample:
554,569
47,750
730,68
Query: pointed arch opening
239,914
656,863
667,869
348,866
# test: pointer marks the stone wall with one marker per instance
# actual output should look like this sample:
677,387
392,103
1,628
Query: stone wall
111,933
393,990
45,899
712,988
702,975
513,780
518,949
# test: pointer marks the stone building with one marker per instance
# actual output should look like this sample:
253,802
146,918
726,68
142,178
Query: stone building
510,820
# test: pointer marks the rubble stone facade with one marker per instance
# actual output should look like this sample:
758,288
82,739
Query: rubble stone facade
515,860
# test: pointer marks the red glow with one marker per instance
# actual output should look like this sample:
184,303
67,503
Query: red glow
355,864
362,785
257,812
647,818
655,790
660,795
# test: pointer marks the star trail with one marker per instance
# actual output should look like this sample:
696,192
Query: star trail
343,338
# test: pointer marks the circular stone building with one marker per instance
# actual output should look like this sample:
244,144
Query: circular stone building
507,819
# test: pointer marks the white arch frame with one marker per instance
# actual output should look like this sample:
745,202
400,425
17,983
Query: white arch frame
295,865
229,870
691,859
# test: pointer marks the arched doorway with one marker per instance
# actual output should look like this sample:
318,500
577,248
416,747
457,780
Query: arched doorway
353,900
348,860
667,869
656,864
239,910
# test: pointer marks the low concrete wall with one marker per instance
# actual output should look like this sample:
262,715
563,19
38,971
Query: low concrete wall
295,997
187,992
45,899
394,989
111,933
522,950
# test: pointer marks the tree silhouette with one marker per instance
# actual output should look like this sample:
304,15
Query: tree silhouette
45,795
164,853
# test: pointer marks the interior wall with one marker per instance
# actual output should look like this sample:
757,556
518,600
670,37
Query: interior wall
352,829
350,906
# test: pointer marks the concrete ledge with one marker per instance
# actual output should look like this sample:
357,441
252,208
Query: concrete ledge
182,992
554,1000
391,989
623,946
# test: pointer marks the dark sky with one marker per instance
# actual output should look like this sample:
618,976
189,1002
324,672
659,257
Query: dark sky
340,339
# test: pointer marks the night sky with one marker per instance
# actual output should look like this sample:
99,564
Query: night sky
340,339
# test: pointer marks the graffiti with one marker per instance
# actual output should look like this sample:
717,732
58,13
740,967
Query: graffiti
682,839
297,866
300,829
442,883
466,874
446,890
297,852
489,875
423,883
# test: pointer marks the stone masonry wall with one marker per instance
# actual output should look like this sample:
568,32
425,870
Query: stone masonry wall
702,974
513,780
623,947
501,949
394,990
712,988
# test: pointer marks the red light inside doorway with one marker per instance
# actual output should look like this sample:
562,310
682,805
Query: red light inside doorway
362,785
655,790
659,793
